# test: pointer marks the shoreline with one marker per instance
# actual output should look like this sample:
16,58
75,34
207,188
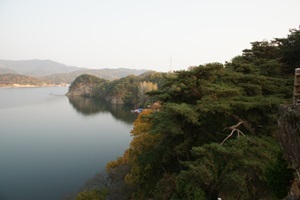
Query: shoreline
30,86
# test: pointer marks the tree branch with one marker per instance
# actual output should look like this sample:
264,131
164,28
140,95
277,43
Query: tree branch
246,125
234,128
196,92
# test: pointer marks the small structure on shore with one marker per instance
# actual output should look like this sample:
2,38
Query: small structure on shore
139,110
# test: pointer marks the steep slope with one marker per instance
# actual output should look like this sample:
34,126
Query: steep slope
289,123
289,135
87,85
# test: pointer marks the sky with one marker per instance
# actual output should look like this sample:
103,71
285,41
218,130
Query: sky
160,35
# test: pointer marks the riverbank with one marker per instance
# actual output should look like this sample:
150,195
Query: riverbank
30,86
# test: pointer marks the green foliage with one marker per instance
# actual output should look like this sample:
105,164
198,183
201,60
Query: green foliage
280,177
129,88
290,51
199,104
143,158
132,90
276,58
94,194
176,153
86,78
232,171
92,81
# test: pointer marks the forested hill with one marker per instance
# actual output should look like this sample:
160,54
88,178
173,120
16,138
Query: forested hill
130,90
216,134
17,80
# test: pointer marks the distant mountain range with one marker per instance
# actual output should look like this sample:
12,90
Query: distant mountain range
36,68
50,72
108,74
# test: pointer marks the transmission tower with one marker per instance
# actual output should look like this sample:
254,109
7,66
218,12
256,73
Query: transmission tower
170,65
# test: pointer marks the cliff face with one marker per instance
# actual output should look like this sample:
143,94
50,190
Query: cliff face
87,85
289,123
82,90
92,86
289,135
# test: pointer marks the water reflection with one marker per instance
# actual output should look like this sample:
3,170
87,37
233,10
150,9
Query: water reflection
87,106
48,149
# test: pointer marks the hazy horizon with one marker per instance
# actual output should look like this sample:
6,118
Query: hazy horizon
133,34
73,65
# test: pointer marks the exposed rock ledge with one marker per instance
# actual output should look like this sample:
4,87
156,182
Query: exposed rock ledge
82,90
88,90
85,85
289,123
92,86
289,135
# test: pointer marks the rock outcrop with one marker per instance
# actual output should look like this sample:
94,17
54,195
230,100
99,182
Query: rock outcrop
92,86
86,85
82,90
289,135
289,123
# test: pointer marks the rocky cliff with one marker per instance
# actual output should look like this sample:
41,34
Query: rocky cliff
87,85
92,86
289,123
289,135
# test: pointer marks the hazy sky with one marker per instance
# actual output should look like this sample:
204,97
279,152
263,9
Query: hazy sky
140,33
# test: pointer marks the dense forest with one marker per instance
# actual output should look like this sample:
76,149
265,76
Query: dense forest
215,135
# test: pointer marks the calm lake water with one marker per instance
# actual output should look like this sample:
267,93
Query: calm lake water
51,145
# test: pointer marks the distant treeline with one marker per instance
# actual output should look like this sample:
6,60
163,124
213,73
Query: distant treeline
7,80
